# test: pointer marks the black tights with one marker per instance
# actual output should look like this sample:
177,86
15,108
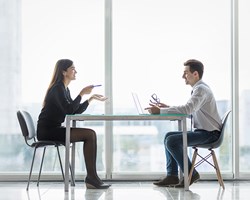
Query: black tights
88,136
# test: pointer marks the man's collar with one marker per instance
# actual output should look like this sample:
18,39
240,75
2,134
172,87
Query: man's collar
198,83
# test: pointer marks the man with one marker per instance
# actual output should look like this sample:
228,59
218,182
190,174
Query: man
205,119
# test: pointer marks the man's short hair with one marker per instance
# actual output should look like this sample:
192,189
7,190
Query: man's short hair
195,65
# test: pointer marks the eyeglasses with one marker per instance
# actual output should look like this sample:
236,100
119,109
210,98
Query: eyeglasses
155,99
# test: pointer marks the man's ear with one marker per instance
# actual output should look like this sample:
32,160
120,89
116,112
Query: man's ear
196,74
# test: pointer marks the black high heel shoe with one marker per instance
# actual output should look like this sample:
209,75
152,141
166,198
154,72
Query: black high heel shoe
92,184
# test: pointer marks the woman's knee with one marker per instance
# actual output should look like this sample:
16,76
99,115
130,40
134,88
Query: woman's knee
91,133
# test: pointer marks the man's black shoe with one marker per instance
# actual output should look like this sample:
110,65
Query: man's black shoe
168,181
194,179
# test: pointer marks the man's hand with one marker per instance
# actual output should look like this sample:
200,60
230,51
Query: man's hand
153,109
156,107
160,105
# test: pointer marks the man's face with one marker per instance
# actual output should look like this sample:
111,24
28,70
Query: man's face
190,78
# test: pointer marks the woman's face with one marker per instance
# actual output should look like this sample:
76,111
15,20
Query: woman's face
70,74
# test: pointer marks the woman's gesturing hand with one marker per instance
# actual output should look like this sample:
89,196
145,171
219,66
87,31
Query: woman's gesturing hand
87,90
98,97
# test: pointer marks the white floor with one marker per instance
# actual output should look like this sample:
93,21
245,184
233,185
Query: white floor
209,190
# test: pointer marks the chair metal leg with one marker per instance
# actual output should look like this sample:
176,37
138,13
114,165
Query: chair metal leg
204,159
72,176
60,161
72,167
217,169
31,167
41,166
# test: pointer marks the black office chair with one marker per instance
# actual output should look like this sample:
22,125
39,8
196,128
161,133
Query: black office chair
210,147
29,133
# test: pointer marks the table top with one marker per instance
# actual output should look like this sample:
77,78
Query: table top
80,117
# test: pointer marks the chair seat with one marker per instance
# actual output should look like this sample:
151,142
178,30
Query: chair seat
38,144
213,145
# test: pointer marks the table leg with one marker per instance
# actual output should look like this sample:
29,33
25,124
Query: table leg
67,151
73,150
185,155
180,129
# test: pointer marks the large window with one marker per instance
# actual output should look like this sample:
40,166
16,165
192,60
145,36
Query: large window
151,41
244,87
63,29
53,30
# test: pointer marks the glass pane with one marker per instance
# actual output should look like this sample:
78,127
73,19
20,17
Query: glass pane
52,30
244,87
10,79
151,41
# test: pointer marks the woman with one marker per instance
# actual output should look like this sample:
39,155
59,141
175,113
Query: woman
57,103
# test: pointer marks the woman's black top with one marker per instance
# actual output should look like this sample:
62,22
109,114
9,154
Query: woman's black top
58,103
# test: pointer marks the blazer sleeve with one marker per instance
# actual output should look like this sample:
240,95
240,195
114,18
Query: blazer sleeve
83,106
65,103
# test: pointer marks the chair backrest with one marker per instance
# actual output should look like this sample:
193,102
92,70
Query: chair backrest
27,125
218,142
224,122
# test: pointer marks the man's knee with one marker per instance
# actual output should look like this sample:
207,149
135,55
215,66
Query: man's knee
172,141
168,134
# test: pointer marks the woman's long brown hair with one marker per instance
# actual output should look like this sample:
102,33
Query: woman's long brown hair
57,76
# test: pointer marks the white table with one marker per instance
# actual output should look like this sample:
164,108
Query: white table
181,118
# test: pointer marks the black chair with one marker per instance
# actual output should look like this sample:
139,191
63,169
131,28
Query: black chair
29,133
210,147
